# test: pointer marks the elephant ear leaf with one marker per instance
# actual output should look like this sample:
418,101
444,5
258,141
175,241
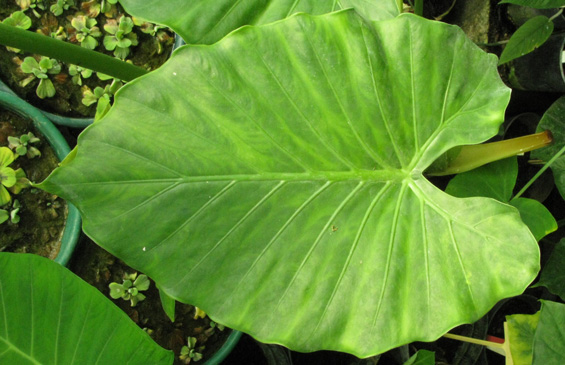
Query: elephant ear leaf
275,180
206,22
49,316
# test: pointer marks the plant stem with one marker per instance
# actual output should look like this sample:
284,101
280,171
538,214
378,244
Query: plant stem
419,7
473,156
473,340
68,53
538,174
556,14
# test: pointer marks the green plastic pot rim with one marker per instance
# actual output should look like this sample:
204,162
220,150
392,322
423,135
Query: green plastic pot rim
226,348
72,229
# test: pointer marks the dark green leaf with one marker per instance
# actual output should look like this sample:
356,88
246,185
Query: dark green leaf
553,273
274,179
537,4
422,357
495,180
50,316
554,120
528,37
536,216
549,340
168,304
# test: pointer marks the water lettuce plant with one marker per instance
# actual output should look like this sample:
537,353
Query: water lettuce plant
293,204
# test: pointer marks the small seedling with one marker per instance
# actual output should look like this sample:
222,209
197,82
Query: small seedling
78,73
86,31
130,289
18,19
101,96
11,214
121,36
60,6
158,32
190,352
23,145
40,70
7,175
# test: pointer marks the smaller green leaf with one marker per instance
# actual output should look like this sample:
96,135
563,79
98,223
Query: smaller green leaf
168,304
528,37
553,273
536,216
45,89
89,42
5,197
422,357
494,180
521,331
6,156
549,340
537,4
110,42
142,282
7,176
29,65
4,215
554,120
18,19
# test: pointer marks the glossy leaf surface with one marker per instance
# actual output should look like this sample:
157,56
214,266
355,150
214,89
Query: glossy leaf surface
206,22
527,38
274,179
496,180
49,316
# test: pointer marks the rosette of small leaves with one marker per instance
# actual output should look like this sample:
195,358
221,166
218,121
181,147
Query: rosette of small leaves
158,32
23,145
87,31
60,6
120,36
18,19
7,175
78,73
102,96
40,70
190,352
11,213
130,289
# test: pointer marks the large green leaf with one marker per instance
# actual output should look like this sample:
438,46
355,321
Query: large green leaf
50,316
207,21
274,179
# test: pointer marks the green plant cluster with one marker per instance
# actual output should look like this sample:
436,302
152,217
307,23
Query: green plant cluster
13,181
131,288
96,25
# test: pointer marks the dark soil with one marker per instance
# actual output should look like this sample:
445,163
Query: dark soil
99,268
42,215
148,54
